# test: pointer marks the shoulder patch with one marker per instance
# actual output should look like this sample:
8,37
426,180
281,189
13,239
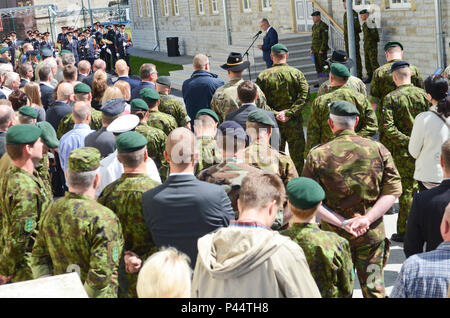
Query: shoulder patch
29,225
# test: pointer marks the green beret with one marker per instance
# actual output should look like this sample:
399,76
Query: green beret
82,88
364,11
130,141
164,80
278,48
392,44
209,112
84,159
23,134
28,111
315,13
48,134
343,108
304,193
340,70
149,94
64,52
4,49
259,116
139,104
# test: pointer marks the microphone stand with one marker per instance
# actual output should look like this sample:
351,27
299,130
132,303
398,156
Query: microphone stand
246,53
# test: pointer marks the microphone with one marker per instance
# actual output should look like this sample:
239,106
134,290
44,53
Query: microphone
259,32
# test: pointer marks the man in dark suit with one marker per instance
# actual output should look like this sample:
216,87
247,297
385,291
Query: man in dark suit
71,45
247,94
148,76
62,106
26,74
269,40
183,208
46,77
426,212
122,70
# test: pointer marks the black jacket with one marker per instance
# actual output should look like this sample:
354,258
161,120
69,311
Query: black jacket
424,220
46,95
183,209
57,112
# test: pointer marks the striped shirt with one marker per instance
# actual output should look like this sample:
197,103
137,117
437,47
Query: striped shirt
425,275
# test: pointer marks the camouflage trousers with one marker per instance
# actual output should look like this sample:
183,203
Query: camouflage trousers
292,133
405,166
358,57
320,61
369,261
371,59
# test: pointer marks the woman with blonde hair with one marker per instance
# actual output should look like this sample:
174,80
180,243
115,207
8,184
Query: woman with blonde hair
99,86
125,88
33,92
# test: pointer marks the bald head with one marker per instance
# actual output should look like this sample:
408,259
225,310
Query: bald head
122,68
99,64
181,148
445,224
201,62
65,92
81,113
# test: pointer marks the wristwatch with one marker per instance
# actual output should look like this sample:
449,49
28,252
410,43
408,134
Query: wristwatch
344,224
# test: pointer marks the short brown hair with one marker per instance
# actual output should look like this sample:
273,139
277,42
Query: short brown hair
259,189
70,73
247,92
18,99
303,214
15,151
446,154
132,159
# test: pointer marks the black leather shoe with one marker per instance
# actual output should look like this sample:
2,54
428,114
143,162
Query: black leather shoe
397,237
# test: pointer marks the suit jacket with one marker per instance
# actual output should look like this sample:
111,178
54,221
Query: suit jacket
240,116
136,90
182,210
270,39
133,83
120,40
425,218
46,95
73,47
23,82
57,112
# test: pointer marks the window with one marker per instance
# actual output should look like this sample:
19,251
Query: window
201,6
176,9
399,4
214,7
266,5
165,8
246,6
139,8
148,5
358,5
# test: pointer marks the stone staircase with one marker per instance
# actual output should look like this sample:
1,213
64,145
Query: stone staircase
298,45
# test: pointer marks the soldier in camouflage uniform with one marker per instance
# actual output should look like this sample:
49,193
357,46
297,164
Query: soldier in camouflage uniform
319,46
328,255
356,173
354,83
371,39
156,138
157,119
124,198
286,91
78,234
230,172
170,104
382,82
82,94
205,128
23,199
357,28
225,100
51,143
318,130
260,154
399,110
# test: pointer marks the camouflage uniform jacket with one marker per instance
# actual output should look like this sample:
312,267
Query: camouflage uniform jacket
156,145
259,154
354,172
285,87
397,115
356,26
382,82
328,256
78,234
67,123
354,83
162,121
225,99
229,175
124,198
174,107
370,31
318,130
209,153
319,37
22,203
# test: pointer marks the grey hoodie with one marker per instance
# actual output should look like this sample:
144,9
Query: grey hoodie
251,263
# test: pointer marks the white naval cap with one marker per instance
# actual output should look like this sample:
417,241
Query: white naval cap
123,123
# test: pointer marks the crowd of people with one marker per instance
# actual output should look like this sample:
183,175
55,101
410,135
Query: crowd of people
147,195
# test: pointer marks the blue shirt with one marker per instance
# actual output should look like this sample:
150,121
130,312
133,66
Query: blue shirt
72,140
425,275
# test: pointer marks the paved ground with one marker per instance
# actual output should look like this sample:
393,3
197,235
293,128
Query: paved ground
161,56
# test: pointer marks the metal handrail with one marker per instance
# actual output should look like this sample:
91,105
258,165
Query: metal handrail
336,32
